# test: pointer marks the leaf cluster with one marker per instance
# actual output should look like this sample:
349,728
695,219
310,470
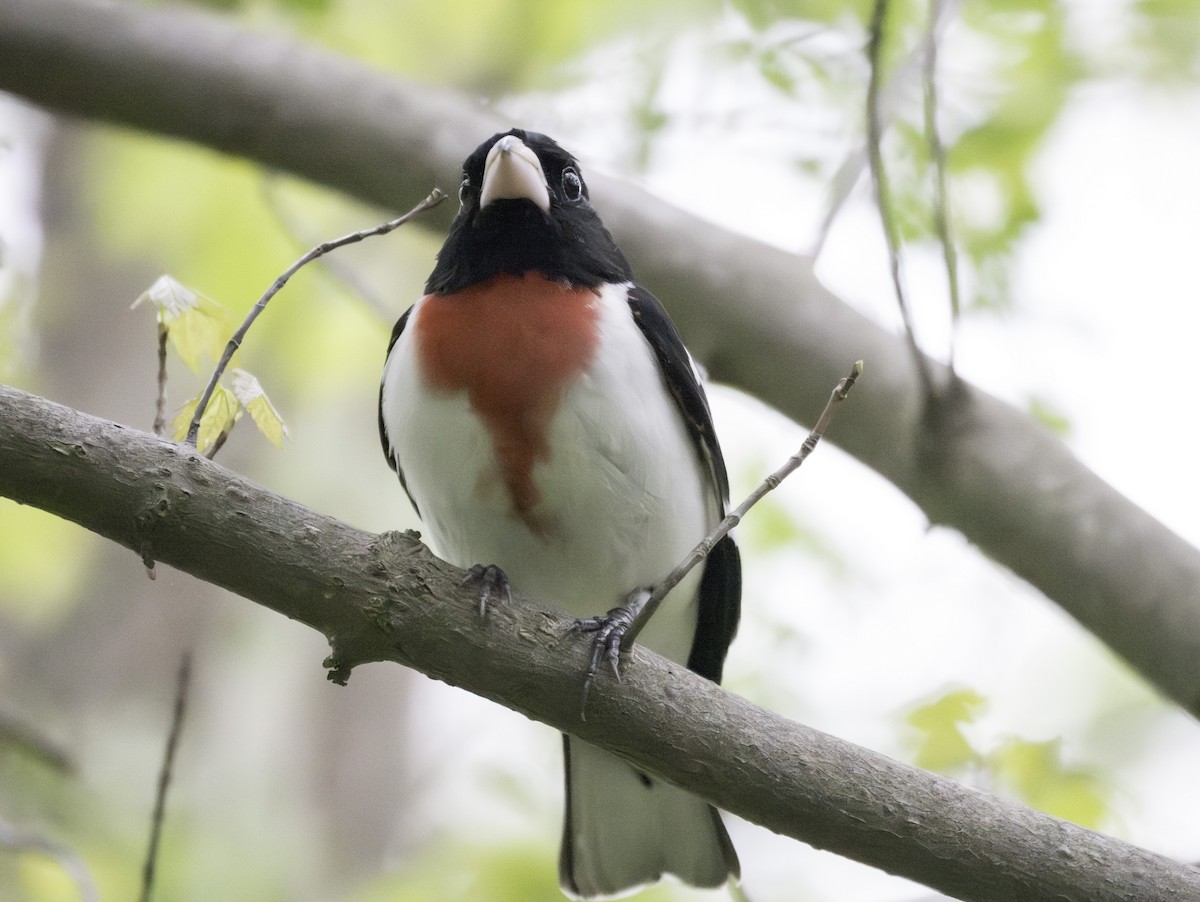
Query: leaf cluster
196,328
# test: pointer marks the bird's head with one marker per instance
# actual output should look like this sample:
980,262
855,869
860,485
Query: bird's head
524,207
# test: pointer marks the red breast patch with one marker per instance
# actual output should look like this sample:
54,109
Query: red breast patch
513,343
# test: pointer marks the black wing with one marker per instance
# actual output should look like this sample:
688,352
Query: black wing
383,436
721,584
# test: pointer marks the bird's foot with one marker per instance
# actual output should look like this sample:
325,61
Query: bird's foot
491,581
610,630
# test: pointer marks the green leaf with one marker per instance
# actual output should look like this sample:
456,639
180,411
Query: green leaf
941,745
222,412
1034,771
199,335
249,393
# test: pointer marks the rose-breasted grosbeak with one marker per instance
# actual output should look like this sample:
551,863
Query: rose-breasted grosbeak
545,419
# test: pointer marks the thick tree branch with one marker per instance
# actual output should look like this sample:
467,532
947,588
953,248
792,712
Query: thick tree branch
385,598
751,312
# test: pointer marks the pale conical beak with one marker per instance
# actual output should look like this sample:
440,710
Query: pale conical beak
513,171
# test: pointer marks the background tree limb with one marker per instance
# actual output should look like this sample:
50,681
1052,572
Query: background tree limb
756,315
386,598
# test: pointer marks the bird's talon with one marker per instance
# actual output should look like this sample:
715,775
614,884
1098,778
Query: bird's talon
610,630
586,625
490,579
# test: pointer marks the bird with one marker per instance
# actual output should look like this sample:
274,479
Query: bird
553,434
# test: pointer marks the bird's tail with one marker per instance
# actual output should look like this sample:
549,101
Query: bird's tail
623,829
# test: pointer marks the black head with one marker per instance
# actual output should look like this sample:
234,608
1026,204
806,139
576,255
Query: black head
525,208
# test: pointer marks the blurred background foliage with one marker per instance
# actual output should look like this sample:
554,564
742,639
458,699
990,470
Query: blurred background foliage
287,788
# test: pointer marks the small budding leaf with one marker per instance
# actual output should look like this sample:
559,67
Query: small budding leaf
199,334
941,745
169,298
250,395
197,326
220,415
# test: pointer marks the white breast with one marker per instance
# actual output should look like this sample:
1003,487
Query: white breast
623,495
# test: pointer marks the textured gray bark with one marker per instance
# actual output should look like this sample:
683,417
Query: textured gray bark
386,598
756,316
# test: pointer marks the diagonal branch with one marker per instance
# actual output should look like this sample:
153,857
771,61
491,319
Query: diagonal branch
755,315
385,598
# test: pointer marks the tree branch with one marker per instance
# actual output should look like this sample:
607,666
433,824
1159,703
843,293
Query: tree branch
386,598
749,311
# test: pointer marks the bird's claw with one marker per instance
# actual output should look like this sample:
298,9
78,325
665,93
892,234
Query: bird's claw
610,630
606,645
492,581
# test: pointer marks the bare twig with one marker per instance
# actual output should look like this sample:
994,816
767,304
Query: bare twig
160,404
160,413
848,172
435,197
937,153
218,443
618,630
182,683
882,194
338,270
734,517
903,74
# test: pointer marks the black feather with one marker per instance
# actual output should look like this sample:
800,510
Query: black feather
721,584
383,436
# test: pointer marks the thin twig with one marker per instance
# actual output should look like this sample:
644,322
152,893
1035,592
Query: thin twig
734,517
937,153
846,178
182,684
339,271
160,416
218,443
882,194
160,404
435,197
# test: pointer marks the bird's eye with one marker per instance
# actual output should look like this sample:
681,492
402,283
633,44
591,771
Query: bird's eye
572,184
463,189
